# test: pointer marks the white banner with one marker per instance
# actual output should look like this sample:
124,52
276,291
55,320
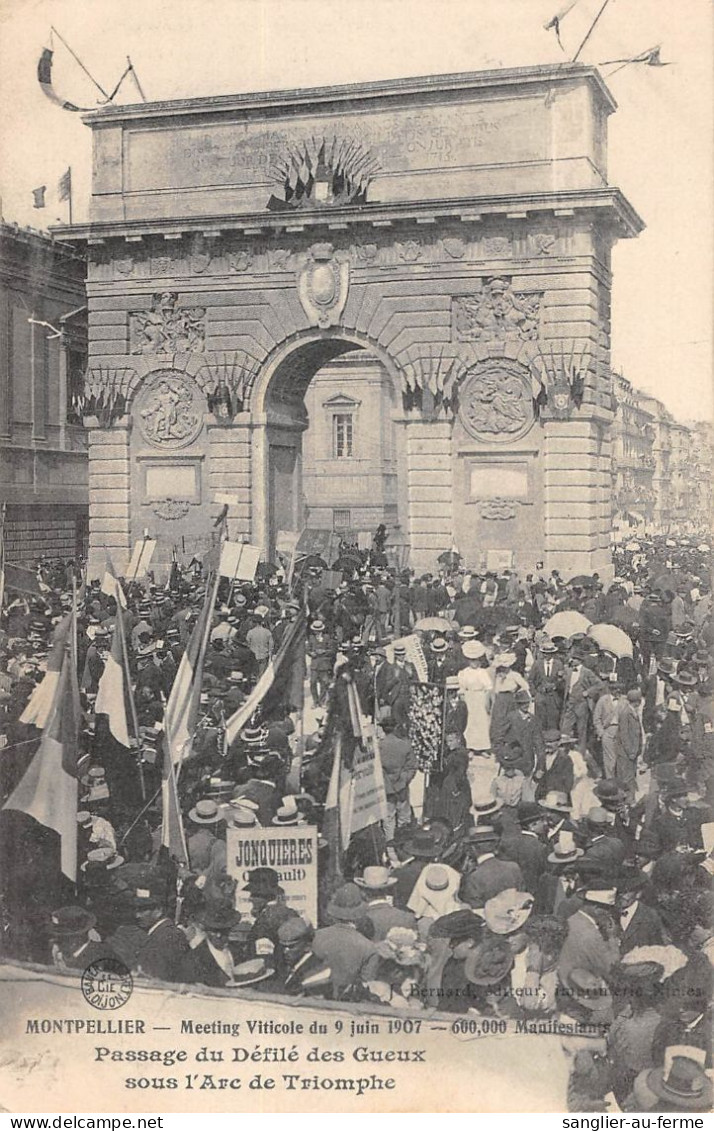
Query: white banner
415,654
290,851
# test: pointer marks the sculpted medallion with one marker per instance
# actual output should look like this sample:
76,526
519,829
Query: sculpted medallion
168,410
495,402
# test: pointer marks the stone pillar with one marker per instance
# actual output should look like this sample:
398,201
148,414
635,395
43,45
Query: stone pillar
577,519
109,494
229,472
430,489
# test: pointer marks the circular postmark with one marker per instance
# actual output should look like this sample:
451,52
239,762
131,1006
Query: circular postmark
107,984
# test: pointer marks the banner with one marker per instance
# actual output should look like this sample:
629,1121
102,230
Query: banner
415,654
291,851
368,801
427,709
140,558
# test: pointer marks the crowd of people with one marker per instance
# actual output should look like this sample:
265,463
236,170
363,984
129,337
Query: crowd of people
550,867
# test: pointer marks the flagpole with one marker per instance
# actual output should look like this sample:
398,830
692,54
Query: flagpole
119,627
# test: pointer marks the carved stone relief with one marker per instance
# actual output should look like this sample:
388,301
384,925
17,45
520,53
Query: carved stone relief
169,409
498,509
167,327
322,284
496,402
171,509
496,313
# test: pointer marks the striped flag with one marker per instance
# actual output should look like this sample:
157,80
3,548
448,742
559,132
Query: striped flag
44,78
64,186
114,689
40,703
111,584
287,663
180,725
48,791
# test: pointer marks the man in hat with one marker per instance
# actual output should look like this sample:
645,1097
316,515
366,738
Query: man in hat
523,730
421,846
591,943
578,680
164,952
440,664
680,1084
554,773
73,948
523,845
322,651
640,923
260,641
393,682
352,958
628,742
605,722
486,875
268,904
377,884
211,962
604,850
399,767
298,971
452,938
206,849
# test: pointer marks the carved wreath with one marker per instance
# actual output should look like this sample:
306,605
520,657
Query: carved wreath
496,402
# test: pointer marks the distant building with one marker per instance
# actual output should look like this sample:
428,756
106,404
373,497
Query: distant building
349,456
43,346
633,459
701,462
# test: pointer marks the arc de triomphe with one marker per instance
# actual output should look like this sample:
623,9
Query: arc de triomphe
457,227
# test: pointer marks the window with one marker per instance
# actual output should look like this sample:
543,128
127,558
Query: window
341,520
342,435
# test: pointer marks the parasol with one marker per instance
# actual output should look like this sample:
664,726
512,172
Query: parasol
632,546
582,580
611,639
703,548
567,623
435,624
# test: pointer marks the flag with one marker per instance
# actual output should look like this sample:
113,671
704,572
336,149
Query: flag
111,584
38,196
44,77
283,678
64,186
48,791
180,725
114,690
39,705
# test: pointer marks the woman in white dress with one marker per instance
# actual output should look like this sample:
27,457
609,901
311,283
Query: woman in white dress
476,686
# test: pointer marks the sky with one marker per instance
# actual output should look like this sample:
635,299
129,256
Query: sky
660,148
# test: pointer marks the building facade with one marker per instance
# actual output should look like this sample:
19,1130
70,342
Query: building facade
349,471
633,460
43,348
457,229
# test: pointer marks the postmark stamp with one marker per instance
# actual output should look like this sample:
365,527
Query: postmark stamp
107,984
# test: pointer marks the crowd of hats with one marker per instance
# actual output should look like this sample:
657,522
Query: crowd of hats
472,912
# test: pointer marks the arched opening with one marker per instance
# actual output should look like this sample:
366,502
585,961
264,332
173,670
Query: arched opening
326,439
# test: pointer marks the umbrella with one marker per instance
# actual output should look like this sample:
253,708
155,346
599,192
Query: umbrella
567,623
582,580
632,546
435,624
611,639
703,549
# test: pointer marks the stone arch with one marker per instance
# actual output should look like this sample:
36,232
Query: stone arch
307,351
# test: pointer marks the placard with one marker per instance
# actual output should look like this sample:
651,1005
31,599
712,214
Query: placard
368,800
291,851
140,558
239,560
286,541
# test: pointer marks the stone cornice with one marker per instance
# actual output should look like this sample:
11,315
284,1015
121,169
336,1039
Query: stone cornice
426,88
512,207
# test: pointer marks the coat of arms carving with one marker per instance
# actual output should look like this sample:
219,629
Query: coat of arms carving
322,284
167,327
496,402
496,314
168,410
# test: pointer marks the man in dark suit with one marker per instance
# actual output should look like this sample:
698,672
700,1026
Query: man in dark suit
604,850
579,679
546,679
524,847
488,875
524,731
640,924
165,950
554,773
211,962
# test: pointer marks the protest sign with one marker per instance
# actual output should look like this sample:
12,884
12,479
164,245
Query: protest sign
290,851
239,560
